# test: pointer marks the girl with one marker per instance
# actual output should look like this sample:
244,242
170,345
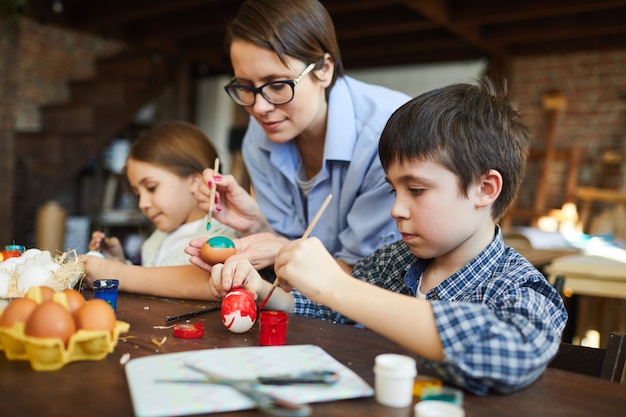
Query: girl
164,169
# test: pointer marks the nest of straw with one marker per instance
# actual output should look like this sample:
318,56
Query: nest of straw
70,271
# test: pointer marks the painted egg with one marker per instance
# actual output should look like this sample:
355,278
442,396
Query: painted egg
217,249
238,310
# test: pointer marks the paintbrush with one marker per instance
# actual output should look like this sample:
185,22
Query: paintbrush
306,234
170,319
212,195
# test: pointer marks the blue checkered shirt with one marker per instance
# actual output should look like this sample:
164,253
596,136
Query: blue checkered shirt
499,320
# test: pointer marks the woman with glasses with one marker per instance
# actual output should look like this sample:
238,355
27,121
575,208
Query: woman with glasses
313,131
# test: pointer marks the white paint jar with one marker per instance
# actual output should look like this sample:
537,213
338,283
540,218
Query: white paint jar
394,375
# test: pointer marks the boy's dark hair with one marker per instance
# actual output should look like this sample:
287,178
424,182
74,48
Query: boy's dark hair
469,129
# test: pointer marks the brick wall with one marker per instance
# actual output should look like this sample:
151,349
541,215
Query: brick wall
594,87
49,57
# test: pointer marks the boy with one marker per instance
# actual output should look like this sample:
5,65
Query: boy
478,313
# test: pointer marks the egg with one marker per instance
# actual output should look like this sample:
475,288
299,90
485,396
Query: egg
17,311
53,267
95,314
75,299
10,265
51,320
5,281
30,253
33,276
217,249
238,310
40,293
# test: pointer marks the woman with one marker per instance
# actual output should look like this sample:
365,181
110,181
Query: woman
312,132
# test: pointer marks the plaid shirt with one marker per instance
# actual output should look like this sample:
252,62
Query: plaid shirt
499,320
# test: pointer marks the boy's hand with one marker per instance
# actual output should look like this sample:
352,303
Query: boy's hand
306,265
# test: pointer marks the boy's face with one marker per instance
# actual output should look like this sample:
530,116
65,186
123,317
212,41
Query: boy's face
434,217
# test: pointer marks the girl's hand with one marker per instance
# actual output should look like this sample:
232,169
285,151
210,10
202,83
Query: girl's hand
95,268
234,206
232,274
110,247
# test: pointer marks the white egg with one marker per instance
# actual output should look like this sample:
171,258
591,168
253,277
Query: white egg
33,276
52,267
5,280
29,253
10,264
95,253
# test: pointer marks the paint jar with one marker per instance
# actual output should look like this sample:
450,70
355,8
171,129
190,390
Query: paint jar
12,251
394,376
441,393
273,328
106,289
436,408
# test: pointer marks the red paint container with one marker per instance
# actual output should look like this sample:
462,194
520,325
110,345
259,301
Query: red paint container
273,328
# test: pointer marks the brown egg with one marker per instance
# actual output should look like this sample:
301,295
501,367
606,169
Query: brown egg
40,293
95,314
50,319
217,249
17,311
74,299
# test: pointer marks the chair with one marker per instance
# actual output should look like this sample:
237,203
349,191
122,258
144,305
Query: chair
605,363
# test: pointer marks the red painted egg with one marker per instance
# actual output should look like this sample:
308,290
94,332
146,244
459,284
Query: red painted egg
238,310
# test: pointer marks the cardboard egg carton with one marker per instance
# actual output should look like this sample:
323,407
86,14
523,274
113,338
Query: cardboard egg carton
50,354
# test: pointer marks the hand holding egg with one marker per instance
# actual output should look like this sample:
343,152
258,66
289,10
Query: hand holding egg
217,249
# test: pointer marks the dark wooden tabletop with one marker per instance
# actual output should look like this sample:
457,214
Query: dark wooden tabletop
99,388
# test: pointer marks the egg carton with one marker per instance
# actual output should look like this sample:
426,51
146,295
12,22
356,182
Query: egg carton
50,354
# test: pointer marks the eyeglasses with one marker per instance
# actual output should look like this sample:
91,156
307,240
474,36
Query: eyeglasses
275,92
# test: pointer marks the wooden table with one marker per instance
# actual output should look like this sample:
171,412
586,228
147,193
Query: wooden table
590,275
600,281
99,388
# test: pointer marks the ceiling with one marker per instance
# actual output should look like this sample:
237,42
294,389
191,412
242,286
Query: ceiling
371,33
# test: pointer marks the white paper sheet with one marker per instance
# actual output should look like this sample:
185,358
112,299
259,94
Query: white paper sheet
156,399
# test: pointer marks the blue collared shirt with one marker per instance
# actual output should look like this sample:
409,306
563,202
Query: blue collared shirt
357,220
499,319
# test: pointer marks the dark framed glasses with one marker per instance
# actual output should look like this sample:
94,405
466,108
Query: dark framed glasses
275,92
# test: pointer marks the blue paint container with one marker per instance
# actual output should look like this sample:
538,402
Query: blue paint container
106,289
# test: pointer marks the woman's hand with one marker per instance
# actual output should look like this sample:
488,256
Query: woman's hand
234,206
259,250
110,247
